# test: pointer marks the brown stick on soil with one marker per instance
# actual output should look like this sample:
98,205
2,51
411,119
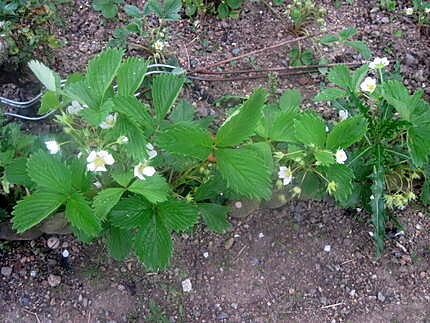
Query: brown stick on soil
258,51
275,69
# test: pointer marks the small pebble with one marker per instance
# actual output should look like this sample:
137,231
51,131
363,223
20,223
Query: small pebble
6,271
327,248
54,280
65,253
53,243
186,285
261,235
206,254
381,297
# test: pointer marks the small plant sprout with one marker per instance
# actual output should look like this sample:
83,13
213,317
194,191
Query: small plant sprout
109,122
53,146
341,156
368,85
285,175
142,170
97,161
379,63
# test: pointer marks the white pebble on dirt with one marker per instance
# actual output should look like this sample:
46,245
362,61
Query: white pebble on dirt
327,248
186,285
206,254
261,235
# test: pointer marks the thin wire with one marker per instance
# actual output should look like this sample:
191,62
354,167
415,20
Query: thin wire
19,116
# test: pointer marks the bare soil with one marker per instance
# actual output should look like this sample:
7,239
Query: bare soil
275,265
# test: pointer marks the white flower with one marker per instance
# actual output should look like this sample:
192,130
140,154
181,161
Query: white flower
343,114
409,11
159,46
142,169
186,285
285,174
368,85
379,63
97,161
52,146
109,122
427,10
152,153
122,140
74,108
341,156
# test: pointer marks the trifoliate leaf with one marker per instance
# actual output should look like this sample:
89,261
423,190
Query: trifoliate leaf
35,208
215,216
135,111
130,75
186,139
324,157
15,172
243,122
165,90
164,9
245,171
130,212
81,216
183,111
49,101
118,242
310,129
105,200
154,188
358,77
342,176
178,215
360,47
153,243
346,133
290,100
49,172
341,76
81,92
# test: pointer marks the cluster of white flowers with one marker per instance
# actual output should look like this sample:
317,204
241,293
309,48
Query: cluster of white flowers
109,121
368,85
409,11
285,174
379,63
159,46
74,108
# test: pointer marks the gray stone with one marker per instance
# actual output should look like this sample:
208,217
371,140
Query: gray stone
381,297
236,51
6,271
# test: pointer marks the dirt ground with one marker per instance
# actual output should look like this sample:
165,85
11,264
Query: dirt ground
305,262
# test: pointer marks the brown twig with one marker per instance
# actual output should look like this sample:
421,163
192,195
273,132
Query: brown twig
258,51
275,69
249,77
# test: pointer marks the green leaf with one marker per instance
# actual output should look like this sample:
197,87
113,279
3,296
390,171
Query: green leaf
419,144
118,242
211,189
133,11
347,132
153,244
377,201
361,47
183,111
81,216
234,4
108,8
178,215
34,208
342,175
310,129
155,188
223,11
324,157
130,75
243,122
165,90
122,177
49,102
347,33
245,171
330,94
16,172
130,212
186,139
81,179
136,146
290,100
105,200
48,77
282,128
49,172
328,39
166,10
398,96
341,76
215,216
358,77
102,70
81,92
135,111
